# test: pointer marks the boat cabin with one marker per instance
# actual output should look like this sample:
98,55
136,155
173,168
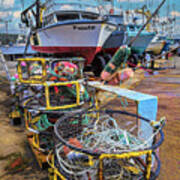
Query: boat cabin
66,11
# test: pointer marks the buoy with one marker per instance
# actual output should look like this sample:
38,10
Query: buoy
122,75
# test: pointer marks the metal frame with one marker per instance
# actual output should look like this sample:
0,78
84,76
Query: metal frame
47,87
38,79
54,173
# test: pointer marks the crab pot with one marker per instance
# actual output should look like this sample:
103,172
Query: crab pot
54,96
93,145
32,70
40,133
38,70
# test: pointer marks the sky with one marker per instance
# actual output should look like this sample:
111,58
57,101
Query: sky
10,10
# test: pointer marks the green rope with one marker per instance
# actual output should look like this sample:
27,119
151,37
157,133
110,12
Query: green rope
43,123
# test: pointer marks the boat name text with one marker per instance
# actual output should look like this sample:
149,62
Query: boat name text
83,28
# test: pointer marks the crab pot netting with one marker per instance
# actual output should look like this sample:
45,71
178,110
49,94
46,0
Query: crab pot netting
39,70
36,97
82,138
31,70
41,127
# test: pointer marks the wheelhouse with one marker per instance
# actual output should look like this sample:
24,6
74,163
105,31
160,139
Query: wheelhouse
61,11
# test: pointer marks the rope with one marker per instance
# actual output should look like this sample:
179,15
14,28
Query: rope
107,136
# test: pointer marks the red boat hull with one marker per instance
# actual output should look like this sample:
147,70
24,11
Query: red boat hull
87,52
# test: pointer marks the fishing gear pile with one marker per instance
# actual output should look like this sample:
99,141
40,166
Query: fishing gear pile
69,130
45,90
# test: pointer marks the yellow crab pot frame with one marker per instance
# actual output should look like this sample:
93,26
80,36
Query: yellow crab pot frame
40,154
55,96
34,70
54,174
34,139
36,78
28,119
128,155
62,84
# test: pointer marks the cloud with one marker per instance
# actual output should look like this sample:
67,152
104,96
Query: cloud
175,13
17,14
6,3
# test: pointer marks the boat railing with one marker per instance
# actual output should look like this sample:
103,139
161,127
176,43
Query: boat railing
80,2
71,5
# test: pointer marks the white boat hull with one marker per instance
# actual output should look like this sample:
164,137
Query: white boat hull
84,39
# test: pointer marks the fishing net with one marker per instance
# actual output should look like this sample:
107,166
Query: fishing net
93,145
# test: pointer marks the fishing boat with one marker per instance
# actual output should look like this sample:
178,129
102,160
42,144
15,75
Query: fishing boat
157,45
143,40
123,36
69,28
125,33
116,39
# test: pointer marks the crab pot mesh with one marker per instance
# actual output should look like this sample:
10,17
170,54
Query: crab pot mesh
33,97
31,70
82,138
62,95
56,96
44,142
40,127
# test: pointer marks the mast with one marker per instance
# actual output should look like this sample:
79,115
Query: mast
174,25
38,13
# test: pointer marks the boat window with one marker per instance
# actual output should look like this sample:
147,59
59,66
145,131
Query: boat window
48,20
65,17
132,28
89,16
115,19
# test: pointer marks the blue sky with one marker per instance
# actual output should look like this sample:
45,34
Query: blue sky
10,10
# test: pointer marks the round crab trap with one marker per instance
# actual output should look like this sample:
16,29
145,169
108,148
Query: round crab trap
93,145
40,126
